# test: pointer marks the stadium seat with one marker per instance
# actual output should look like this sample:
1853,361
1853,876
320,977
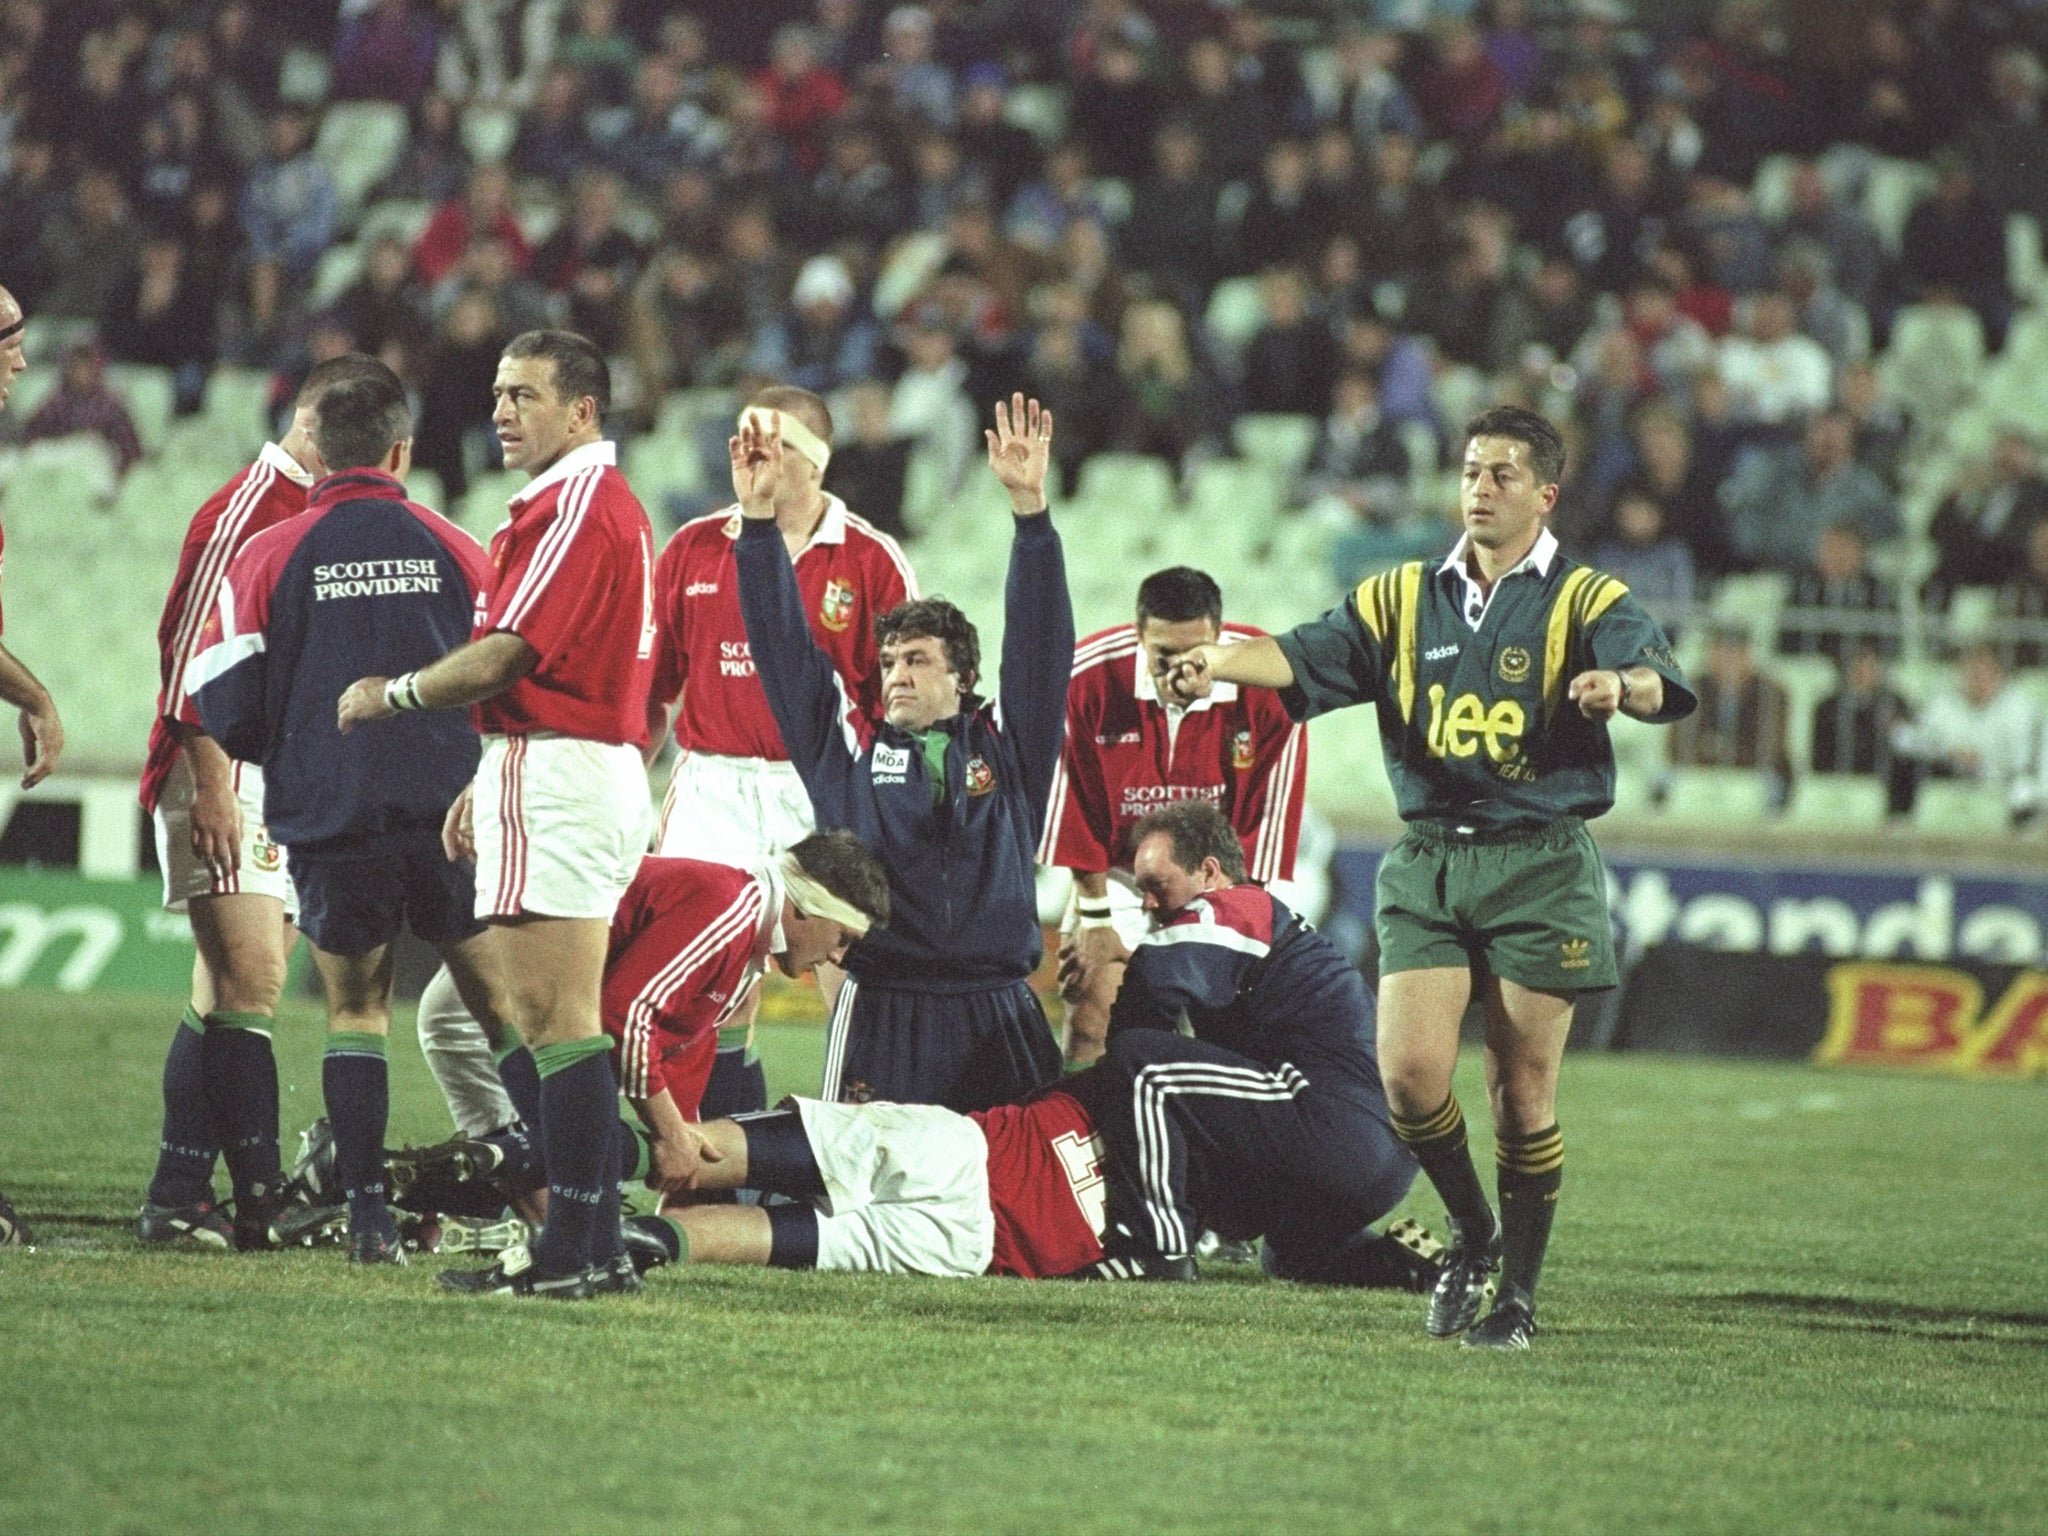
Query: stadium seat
1770,191
237,404
1806,680
1236,310
1960,808
1753,600
1039,109
1935,356
488,132
150,396
1835,802
483,507
359,142
1136,484
1723,797
660,466
1890,189
1283,441
2026,270
424,487
1972,615
340,265
1347,775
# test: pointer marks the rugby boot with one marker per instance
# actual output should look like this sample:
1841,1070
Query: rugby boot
1467,1279
1510,1325
515,1275
184,1226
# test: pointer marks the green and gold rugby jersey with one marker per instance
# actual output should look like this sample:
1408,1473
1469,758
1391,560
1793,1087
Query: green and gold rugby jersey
1474,721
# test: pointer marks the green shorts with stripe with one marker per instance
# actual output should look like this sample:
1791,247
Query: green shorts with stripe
1526,906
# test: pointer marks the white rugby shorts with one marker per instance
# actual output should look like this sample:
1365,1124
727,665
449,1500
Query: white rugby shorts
1127,914
262,872
906,1188
561,824
732,810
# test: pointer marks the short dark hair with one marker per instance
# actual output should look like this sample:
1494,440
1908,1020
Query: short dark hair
1179,593
356,420
580,368
1546,447
848,868
806,407
1196,831
333,370
933,618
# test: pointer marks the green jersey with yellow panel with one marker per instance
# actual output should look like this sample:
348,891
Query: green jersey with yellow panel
1470,686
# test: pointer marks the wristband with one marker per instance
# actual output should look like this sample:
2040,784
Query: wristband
403,693
1093,914
1621,677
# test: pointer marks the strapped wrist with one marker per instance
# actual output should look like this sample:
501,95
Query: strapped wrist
1621,678
403,693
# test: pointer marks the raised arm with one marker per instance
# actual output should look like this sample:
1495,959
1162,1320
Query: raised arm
1038,622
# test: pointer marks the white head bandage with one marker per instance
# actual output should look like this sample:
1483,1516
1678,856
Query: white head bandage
794,433
813,900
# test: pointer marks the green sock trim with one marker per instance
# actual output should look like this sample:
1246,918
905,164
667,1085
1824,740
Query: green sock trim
559,1057
643,1157
682,1239
261,1023
350,1042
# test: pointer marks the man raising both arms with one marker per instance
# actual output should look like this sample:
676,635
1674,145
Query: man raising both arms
42,735
1494,674
558,663
734,797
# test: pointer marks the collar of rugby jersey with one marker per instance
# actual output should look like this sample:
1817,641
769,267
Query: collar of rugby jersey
1146,692
1476,597
591,455
286,465
769,941
831,527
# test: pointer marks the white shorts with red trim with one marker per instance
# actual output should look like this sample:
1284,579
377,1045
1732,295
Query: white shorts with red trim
733,810
262,871
561,824
906,1188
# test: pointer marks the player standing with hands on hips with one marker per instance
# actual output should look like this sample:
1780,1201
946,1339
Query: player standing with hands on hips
558,664
1494,674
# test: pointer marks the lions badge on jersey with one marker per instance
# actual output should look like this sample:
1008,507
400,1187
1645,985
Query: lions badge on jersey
1241,754
835,609
1514,664
980,778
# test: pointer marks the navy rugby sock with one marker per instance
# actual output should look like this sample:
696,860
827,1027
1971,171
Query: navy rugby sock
241,1090
1531,1172
190,1140
522,1081
357,1082
579,1105
737,1085
1438,1142
607,1241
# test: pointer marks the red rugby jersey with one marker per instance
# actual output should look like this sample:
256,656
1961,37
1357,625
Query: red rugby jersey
687,942
1045,1185
573,576
1123,756
272,489
849,573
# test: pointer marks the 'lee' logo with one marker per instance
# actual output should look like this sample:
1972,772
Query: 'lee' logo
1458,730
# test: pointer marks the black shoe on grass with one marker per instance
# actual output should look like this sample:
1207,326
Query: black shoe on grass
515,1275
1462,1288
14,1232
618,1276
184,1226
376,1248
1510,1325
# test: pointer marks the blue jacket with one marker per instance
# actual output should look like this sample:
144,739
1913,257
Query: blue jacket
963,903
362,583
1250,976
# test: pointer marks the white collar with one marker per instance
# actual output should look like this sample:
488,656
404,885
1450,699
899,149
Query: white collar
286,465
771,925
1541,553
831,527
574,462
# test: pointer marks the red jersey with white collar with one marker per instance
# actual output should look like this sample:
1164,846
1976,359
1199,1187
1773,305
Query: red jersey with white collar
849,574
272,489
1045,1186
1126,753
573,576
688,941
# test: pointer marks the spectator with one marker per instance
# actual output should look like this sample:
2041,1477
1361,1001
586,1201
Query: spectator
822,342
1461,92
929,407
1776,377
1361,464
1648,558
1453,303
89,248
2007,147
1398,364
913,87
1978,726
940,179
434,164
1063,373
1114,110
1548,308
1003,269
802,95
487,267
1004,155
1227,113
1734,243
1512,46
1172,234
856,194
1821,310
661,130
1742,719
1613,239
385,52
1670,351
1668,467
386,304
870,464
1089,281
590,261
174,148
1981,528
1853,727
160,316
755,272
83,402
597,43
1400,226
1291,365
1368,98
1881,424
1169,406
1283,221
34,196
1953,249
2023,602
553,142
682,335
1837,601
485,207
1778,500
1843,232
454,426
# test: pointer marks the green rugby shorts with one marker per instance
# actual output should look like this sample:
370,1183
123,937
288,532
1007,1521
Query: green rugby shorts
1527,906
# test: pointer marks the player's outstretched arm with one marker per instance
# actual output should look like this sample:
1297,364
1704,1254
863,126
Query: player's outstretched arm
1604,692
485,666
42,733
1257,662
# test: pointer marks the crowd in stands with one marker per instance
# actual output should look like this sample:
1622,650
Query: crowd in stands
1748,256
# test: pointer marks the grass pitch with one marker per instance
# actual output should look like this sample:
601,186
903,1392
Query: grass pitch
1780,1300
